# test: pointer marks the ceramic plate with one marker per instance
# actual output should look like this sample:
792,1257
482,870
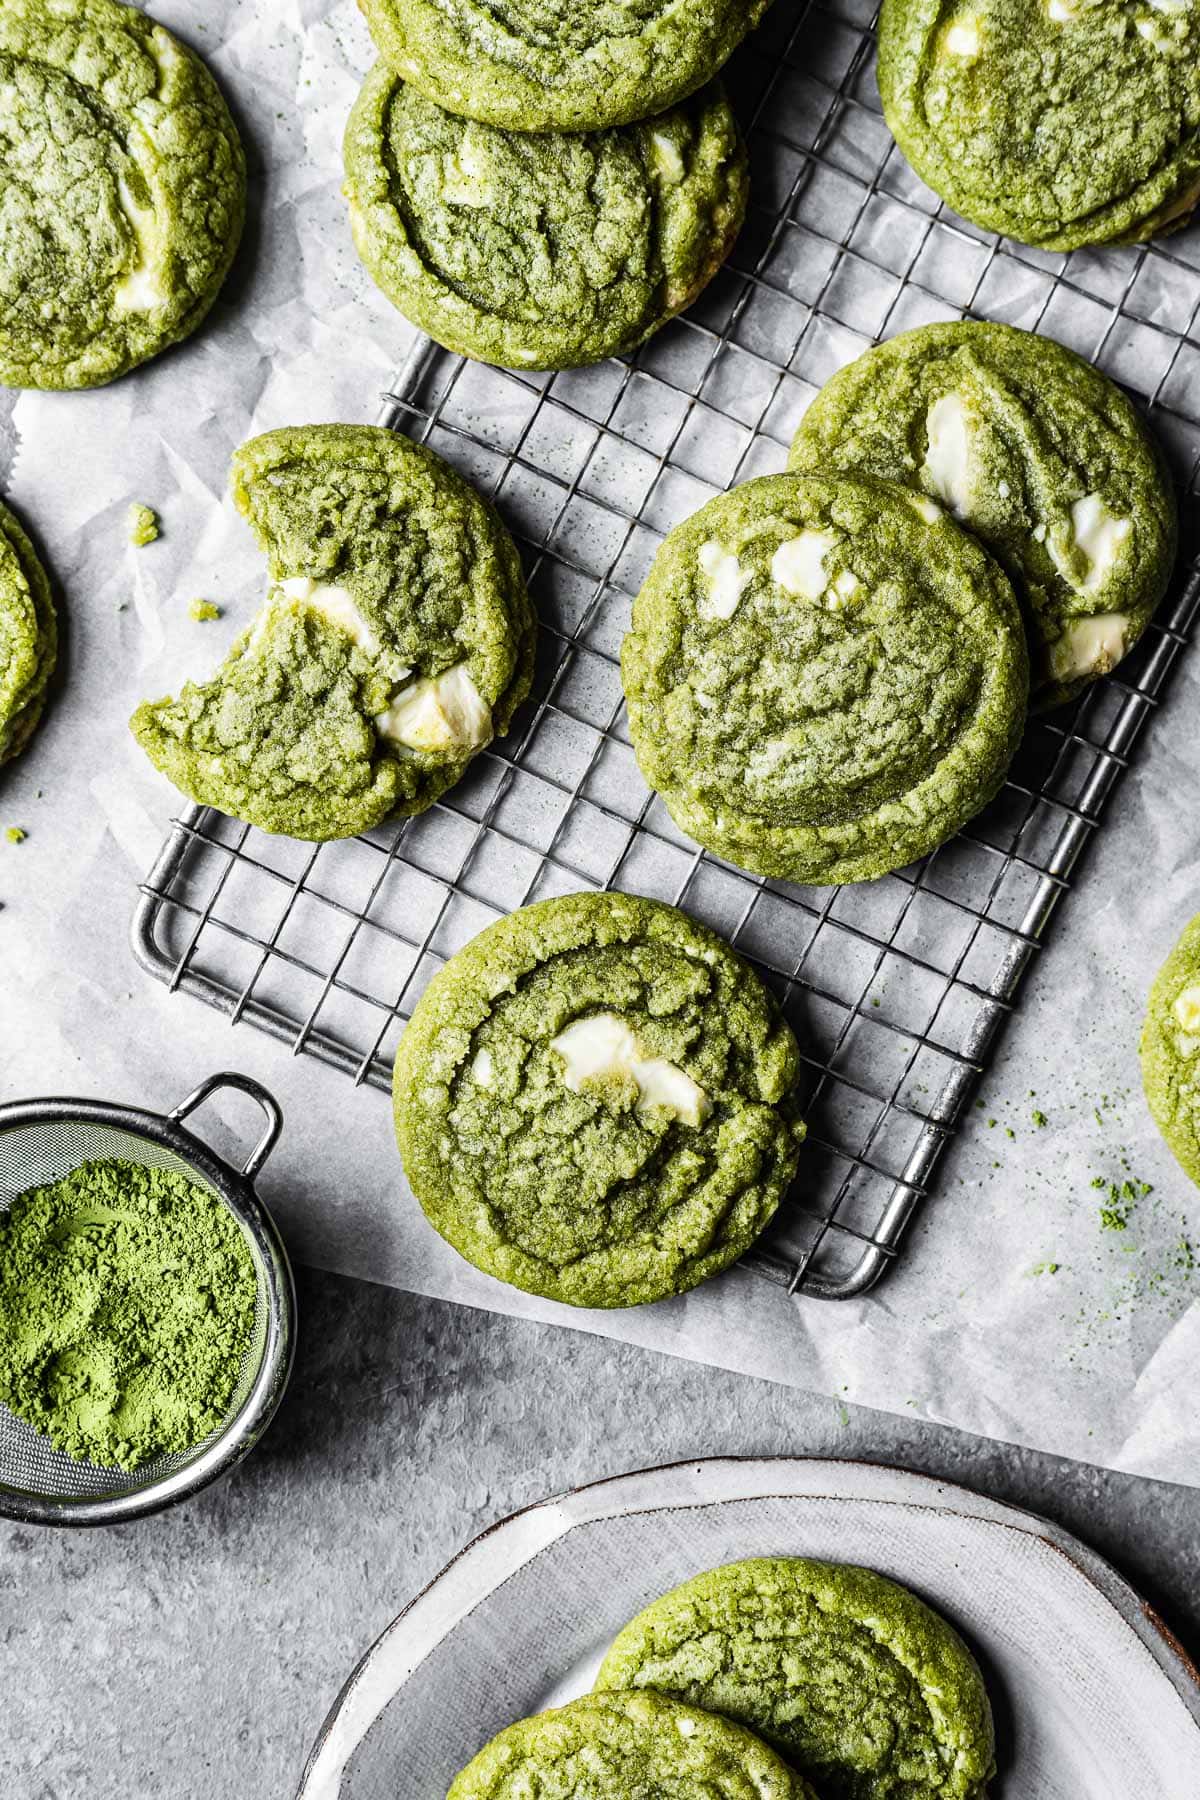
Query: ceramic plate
1093,1699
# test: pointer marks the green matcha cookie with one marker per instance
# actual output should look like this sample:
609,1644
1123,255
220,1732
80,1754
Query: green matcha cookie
627,1747
1170,1050
554,65
1059,122
397,640
595,1101
543,251
852,1678
825,678
1039,455
28,636
122,191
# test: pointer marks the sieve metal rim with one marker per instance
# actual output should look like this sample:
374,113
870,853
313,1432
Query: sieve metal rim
236,1189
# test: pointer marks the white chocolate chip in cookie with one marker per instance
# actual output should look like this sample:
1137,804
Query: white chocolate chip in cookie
668,158
798,566
601,1046
929,509
333,603
947,467
142,288
1089,646
1187,1008
442,712
466,177
727,581
962,37
1099,534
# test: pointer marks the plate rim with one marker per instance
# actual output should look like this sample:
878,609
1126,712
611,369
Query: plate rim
535,1526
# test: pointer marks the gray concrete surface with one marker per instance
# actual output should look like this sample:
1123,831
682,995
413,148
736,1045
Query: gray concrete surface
196,1653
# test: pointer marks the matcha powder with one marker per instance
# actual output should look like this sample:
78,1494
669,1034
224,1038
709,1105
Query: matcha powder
127,1301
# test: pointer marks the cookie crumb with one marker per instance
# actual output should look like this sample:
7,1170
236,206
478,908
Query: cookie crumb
143,524
202,610
15,835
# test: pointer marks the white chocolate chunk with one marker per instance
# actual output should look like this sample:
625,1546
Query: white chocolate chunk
798,566
846,584
1187,1043
668,157
466,176
603,1045
141,289
687,1727
929,509
1089,646
947,467
442,712
727,581
1061,11
333,603
962,38
483,1069
1170,6
1099,535
1187,1008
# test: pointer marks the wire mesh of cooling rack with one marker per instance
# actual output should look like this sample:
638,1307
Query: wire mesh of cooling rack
897,988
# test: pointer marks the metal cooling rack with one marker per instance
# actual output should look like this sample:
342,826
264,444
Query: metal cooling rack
897,988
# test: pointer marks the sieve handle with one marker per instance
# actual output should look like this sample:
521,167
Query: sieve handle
245,1084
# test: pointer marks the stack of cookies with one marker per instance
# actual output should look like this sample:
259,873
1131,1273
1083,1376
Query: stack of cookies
780,1678
829,670
544,185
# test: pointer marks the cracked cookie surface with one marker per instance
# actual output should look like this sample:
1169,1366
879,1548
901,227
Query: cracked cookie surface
1059,122
552,65
123,191
595,1101
627,1747
859,1684
1170,1050
28,636
1039,455
825,678
395,643
547,251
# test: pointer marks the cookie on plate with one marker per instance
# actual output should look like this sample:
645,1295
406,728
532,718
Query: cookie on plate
1170,1050
595,1101
854,1680
28,637
547,251
617,1746
1039,455
825,678
124,190
396,641
550,65
1059,122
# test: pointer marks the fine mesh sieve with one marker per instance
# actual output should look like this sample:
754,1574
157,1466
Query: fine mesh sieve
43,1140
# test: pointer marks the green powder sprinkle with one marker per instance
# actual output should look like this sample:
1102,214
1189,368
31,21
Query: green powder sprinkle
1045,1268
202,610
1039,1119
143,524
1122,1200
15,835
127,1303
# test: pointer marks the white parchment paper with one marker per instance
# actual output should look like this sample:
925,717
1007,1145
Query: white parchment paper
1096,1357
